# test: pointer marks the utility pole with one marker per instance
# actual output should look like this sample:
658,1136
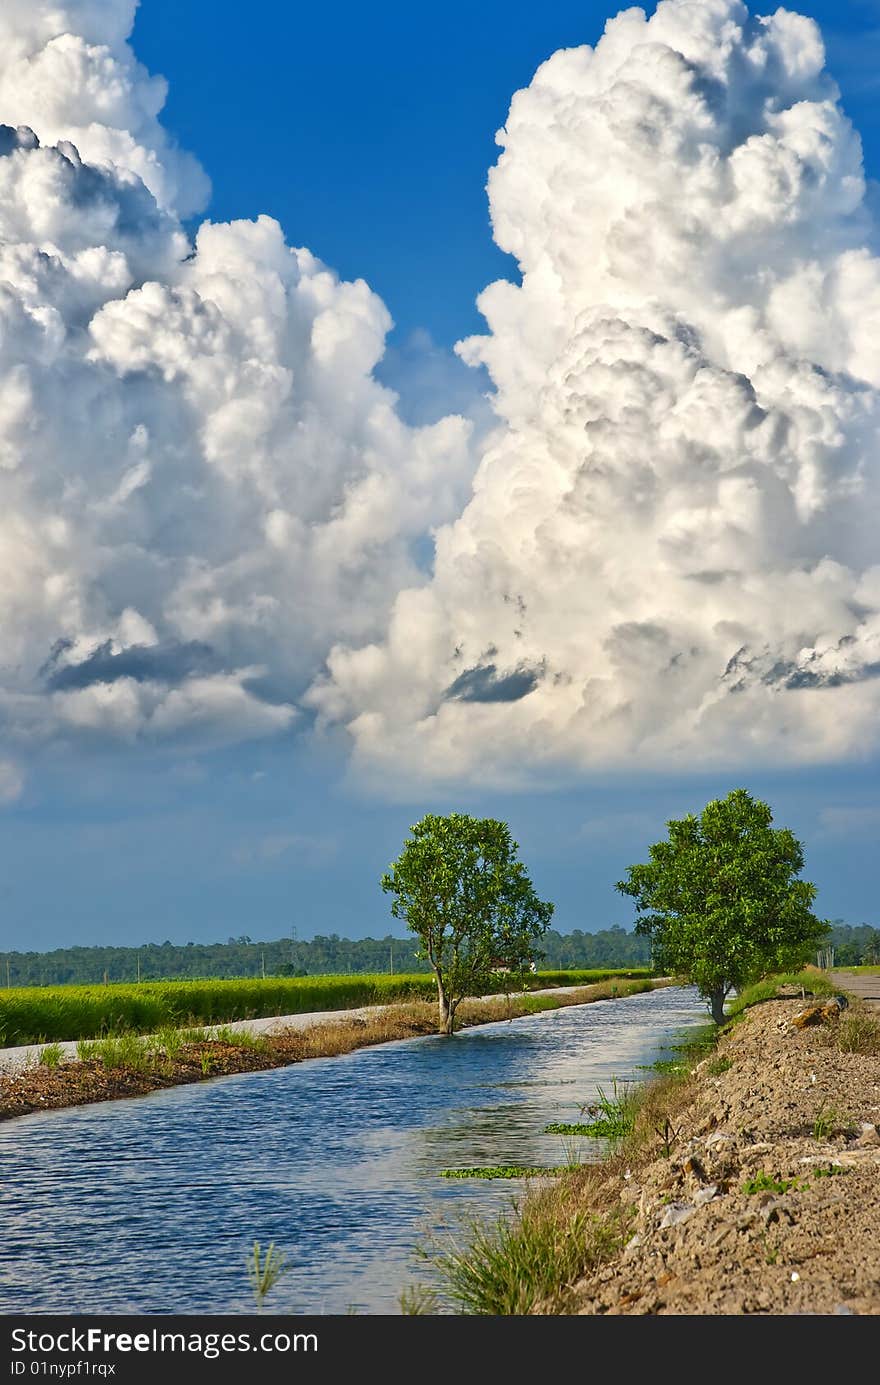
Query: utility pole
8,982
139,966
391,950
263,964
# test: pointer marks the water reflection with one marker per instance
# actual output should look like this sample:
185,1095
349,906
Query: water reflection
151,1205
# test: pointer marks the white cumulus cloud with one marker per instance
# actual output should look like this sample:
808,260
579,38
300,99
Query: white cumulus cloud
670,554
203,485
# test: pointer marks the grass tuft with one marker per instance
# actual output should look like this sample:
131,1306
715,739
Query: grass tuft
526,1265
121,1051
242,1038
858,1031
419,1300
615,1114
830,1122
264,1269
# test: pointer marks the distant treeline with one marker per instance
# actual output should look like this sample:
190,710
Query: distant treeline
242,957
854,944
322,956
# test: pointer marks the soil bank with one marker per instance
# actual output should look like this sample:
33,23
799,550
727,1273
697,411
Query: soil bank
763,1195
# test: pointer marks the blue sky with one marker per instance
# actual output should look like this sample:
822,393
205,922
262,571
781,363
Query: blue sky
368,134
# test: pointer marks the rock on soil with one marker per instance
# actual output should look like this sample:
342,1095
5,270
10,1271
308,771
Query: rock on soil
769,1199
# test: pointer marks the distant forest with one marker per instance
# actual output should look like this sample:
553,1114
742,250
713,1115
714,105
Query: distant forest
243,956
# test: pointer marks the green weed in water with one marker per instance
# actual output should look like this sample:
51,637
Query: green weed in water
614,1115
264,1269
507,1171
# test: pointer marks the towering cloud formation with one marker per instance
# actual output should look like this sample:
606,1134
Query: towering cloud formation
209,507
670,556
202,485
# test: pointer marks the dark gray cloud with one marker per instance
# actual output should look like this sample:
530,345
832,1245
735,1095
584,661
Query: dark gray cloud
745,668
713,577
58,650
483,683
169,662
789,675
12,138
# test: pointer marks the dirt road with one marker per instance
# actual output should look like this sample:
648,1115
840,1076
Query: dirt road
866,985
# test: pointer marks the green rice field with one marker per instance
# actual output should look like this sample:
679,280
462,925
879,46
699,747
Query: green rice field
44,1014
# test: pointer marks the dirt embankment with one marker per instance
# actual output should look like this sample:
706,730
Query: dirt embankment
763,1194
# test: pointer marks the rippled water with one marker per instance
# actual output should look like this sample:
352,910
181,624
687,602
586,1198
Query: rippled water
151,1205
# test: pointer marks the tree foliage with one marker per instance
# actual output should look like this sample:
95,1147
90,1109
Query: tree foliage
460,888
721,900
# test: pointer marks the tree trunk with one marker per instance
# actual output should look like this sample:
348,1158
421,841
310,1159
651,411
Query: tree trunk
716,1004
447,1010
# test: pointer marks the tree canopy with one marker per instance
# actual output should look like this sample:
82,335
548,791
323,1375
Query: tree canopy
460,888
721,900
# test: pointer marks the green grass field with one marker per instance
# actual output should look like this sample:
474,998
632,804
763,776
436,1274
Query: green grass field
44,1014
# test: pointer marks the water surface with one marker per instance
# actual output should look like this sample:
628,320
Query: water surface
150,1205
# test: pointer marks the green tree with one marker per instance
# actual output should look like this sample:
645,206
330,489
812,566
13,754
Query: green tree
721,901
459,887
